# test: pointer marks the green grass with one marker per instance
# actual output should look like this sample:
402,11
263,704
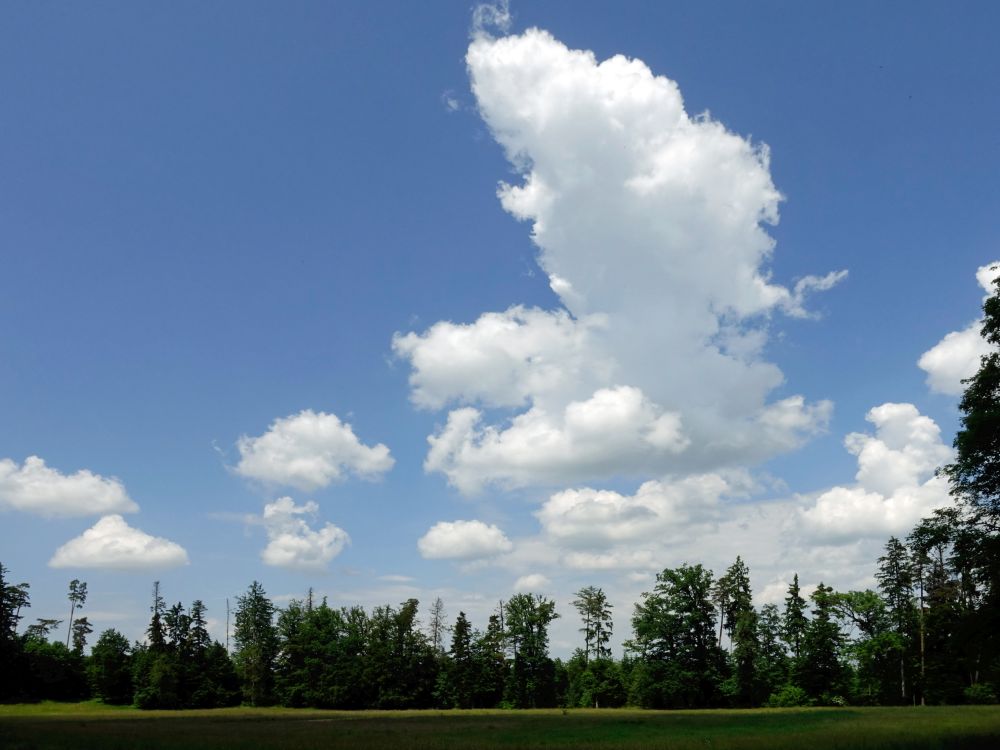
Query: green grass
87,726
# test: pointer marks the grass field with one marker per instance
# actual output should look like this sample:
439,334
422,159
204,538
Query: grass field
91,726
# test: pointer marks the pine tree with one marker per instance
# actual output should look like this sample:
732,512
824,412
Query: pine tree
895,583
819,670
437,625
741,625
256,645
157,641
794,622
461,673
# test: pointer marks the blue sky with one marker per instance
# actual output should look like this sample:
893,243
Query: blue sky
229,230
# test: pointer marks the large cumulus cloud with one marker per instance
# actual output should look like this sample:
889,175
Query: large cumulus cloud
651,227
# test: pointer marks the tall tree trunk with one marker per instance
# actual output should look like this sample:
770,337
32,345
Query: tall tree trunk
69,630
923,683
902,678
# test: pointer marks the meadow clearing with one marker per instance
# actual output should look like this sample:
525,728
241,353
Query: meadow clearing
86,726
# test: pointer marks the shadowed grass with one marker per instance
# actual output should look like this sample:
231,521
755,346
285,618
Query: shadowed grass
87,726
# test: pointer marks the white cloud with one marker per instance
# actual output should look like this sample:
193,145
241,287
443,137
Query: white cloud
616,431
650,227
292,543
37,488
503,359
986,275
451,104
896,485
533,582
953,359
112,544
660,510
619,559
956,357
487,17
309,450
463,540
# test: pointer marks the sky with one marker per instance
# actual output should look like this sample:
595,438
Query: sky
429,300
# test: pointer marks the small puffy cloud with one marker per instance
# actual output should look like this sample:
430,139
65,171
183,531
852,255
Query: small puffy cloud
651,227
533,582
111,544
36,488
986,275
896,485
487,17
451,104
463,540
956,357
616,431
309,450
292,543
953,359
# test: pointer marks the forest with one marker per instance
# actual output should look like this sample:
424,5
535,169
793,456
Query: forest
929,634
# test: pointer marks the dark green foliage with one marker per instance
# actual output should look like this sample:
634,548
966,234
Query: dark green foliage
182,668
77,598
675,640
255,640
215,684
740,620
321,657
595,612
593,683
531,679
819,670
81,629
157,641
109,669
772,661
13,600
975,474
490,665
53,672
457,678
876,648
969,606
401,663
155,678
788,696
895,576
795,621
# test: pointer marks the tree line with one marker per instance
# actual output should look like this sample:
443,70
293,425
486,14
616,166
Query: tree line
929,633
